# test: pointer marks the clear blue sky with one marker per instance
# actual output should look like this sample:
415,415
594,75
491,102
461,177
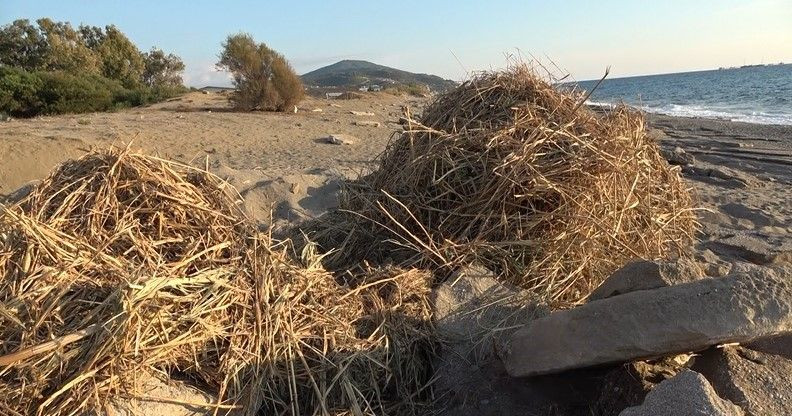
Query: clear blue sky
449,38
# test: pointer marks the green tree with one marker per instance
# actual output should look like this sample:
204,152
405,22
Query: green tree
66,50
160,69
120,58
263,78
22,45
92,36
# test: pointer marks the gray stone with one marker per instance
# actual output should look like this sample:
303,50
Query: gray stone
645,275
20,194
711,264
687,393
474,314
778,345
678,156
655,323
759,383
340,139
753,248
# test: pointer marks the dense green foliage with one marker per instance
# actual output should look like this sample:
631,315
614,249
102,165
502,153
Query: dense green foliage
263,78
51,68
26,94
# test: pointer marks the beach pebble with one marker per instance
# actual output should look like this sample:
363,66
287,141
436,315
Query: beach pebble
367,123
340,139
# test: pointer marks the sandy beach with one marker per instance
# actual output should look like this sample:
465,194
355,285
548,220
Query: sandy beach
741,173
287,172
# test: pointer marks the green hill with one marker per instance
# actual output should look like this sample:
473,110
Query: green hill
349,74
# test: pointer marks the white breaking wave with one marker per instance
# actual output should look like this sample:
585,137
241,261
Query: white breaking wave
679,110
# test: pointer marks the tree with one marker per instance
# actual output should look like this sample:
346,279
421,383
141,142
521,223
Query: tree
22,45
263,78
162,70
66,50
120,58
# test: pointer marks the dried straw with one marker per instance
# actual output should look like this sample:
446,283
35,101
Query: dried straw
120,265
509,171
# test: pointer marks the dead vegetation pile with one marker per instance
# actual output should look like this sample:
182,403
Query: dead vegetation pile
120,265
512,172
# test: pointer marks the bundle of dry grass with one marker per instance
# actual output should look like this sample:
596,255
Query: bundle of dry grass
516,174
120,265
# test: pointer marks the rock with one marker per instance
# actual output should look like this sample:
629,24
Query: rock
645,275
166,399
711,264
367,123
20,194
361,113
757,382
687,393
678,156
340,139
753,248
727,175
655,323
317,110
473,302
778,345
474,313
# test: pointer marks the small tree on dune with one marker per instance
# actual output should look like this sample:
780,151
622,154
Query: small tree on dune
263,78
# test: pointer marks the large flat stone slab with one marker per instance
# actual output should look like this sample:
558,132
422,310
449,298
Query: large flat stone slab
654,323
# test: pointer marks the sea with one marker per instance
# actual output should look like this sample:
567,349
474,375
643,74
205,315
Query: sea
754,94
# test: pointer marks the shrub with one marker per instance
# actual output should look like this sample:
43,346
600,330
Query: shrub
19,92
263,78
26,94
63,92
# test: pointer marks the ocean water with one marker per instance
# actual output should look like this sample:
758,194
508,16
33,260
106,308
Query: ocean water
760,94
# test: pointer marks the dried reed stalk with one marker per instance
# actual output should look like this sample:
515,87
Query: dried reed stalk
120,264
512,172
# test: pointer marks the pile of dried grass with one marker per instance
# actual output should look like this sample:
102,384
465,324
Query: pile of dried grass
120,264
512,172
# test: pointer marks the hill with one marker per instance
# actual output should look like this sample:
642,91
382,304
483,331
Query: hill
350,74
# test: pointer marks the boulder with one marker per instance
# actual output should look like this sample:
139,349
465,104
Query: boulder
757,382
687,393
655,323
645,275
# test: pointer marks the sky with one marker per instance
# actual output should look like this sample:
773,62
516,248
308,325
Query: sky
449,38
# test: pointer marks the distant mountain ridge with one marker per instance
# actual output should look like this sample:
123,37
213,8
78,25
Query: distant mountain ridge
356,74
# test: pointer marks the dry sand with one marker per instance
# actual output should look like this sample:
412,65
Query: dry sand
277,161
282,164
